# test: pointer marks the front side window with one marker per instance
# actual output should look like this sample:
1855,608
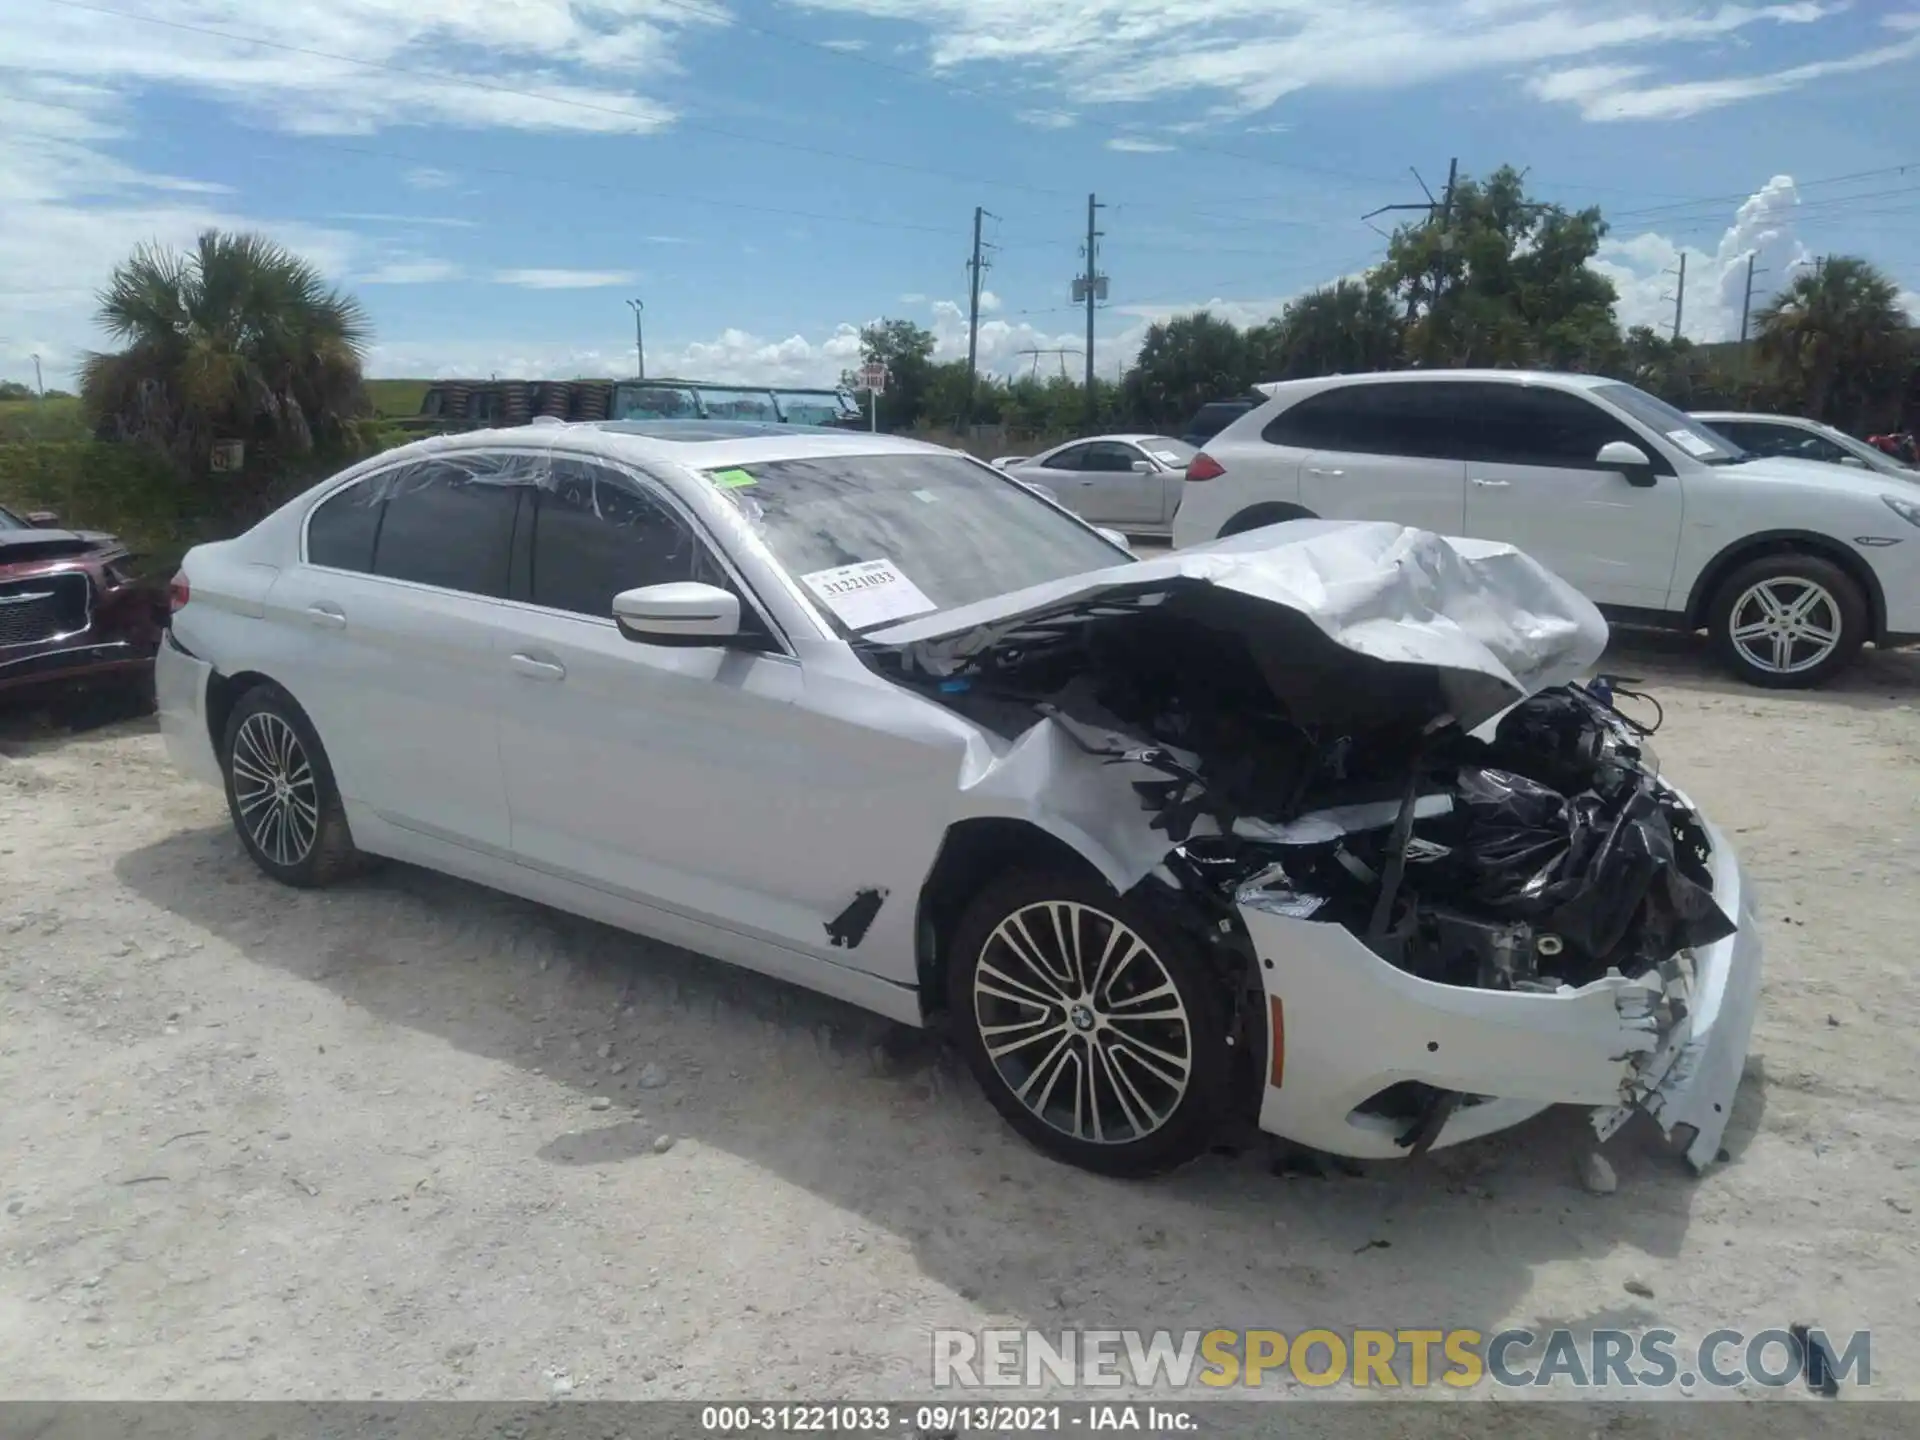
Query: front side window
449,521
1111,459
1532,425
1783,440
1678,428
875,539
596,533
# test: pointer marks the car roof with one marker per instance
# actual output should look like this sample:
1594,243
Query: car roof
1558,379
696,444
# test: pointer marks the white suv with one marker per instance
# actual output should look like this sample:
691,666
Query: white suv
1791,565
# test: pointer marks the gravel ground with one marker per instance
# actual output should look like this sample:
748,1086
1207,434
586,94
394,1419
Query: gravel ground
412,1139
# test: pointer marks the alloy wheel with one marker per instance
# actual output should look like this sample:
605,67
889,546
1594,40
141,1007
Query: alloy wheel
1785,625
274,789
1082,1021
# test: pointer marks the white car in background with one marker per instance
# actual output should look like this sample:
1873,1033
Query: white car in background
1129,483
1793,437
1164,842
1791,566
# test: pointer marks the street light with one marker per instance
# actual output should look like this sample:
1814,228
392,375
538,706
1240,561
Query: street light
639,342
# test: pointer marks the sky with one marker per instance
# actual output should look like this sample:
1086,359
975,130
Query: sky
497,179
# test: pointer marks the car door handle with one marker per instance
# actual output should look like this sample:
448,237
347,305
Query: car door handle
1316,470
1491,484
537,669
326,617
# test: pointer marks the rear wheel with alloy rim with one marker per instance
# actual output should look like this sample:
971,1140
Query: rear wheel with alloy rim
1093,1031
1788,621
281,794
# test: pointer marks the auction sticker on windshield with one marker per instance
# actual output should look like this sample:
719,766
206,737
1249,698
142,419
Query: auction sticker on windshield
868,593
1696,445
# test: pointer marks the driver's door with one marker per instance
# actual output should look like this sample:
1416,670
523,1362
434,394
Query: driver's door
652,772
1123,487
1533,481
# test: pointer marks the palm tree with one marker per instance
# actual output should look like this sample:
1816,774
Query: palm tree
238,339
1839,334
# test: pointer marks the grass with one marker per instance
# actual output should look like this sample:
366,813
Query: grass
54,419
397,399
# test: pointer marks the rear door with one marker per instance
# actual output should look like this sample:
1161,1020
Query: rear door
396,614
1382,451
1533,482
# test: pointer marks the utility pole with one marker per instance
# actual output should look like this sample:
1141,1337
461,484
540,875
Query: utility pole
639,342
1091,287
39,382
1679,296
975,267
1438,212
1746,305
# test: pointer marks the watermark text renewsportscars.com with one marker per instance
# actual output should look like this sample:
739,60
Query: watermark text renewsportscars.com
1457,1359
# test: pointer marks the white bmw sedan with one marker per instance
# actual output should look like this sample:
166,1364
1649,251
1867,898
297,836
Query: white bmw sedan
1307,825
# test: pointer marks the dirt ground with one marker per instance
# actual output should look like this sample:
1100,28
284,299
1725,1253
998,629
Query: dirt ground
412,1139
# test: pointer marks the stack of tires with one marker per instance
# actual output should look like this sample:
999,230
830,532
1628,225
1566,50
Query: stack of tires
592,400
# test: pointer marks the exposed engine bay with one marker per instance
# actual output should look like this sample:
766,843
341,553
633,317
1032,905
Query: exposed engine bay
1311,782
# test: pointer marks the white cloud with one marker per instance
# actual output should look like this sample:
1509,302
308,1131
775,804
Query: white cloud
73,212
351,66
1910,302
1763,227
1134,145
410,272
1616,92
1252,52
425,177
846,47
1047,119
548,279
989,302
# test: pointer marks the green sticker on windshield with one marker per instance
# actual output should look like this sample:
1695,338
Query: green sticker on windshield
733,479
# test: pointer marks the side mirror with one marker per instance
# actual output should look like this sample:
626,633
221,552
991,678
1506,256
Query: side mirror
684,612
1116,538
1853,460
1143,467
1629,459
43,519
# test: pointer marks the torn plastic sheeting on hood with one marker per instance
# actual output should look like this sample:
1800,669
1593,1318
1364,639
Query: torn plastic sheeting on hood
1490,624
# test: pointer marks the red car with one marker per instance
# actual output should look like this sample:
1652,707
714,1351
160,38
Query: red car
75,621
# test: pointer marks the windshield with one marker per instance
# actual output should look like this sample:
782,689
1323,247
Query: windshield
1677,427
740,405
1176,453
654,402
879,538
809,409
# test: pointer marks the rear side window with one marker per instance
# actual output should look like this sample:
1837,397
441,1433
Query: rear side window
1214,418
1531,425
595,533
450,523
341,531
1411,418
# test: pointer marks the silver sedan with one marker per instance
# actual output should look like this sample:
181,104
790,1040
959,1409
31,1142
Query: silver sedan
1128,482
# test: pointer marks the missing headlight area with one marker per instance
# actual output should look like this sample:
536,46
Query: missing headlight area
1311,782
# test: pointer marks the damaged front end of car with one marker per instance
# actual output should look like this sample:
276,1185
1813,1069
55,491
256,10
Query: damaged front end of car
1445,883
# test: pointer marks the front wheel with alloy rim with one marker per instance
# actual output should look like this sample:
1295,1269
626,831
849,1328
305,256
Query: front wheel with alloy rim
281,794
1788,622
1094,1031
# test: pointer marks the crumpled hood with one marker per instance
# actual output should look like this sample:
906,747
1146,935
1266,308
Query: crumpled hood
1491,624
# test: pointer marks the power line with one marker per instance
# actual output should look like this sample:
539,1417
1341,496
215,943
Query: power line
1749,194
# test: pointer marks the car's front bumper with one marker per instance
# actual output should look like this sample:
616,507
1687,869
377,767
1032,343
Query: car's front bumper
1344,1025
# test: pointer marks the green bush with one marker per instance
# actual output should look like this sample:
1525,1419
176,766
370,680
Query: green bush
125,489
